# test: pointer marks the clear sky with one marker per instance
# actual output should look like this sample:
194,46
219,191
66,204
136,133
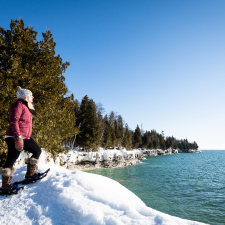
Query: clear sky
158,63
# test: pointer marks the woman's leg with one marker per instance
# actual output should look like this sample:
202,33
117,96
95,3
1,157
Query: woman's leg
31,146
8,168
13,153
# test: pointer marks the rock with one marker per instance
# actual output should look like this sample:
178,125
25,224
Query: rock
97,158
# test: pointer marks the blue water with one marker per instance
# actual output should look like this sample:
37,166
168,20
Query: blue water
189,186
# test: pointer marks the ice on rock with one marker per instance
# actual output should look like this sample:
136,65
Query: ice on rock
76,157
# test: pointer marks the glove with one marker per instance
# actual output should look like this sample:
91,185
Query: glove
19,144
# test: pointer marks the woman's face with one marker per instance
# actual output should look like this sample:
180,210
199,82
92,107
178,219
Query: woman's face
29,98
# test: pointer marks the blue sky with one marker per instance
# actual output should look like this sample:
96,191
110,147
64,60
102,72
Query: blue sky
159,64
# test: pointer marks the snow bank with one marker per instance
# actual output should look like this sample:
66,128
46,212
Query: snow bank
65,197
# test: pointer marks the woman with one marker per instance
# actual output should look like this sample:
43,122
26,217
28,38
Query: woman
18,137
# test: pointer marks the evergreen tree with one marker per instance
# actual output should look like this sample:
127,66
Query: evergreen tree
150,146
162,142
172,143
145,139
127,140
33,65
156,143
195,145
181,146
168,142
175,144
107,136
112,128
119,130
187,145
100,110
71,141
89,136
137,138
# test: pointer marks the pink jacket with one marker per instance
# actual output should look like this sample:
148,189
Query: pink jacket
20,120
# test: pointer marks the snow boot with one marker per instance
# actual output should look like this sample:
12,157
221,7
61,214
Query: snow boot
31,167
6,177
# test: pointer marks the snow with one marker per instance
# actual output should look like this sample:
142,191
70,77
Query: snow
109,154
77,156
80,198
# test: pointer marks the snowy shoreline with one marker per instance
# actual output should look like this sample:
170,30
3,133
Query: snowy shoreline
66,197
77,159
80,198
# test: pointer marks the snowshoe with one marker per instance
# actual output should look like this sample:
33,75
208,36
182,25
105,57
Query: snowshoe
11,190
32,179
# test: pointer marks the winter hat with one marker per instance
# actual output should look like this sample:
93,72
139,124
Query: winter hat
22,93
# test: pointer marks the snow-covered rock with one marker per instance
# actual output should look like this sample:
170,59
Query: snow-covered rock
65,197
77,159
150,152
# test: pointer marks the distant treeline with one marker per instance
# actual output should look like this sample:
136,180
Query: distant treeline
58,118
109,131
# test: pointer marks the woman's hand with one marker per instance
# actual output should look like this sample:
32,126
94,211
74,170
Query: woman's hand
19,143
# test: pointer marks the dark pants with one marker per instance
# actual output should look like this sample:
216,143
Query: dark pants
29,145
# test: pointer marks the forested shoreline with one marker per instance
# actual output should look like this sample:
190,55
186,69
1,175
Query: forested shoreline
110,131
59,118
